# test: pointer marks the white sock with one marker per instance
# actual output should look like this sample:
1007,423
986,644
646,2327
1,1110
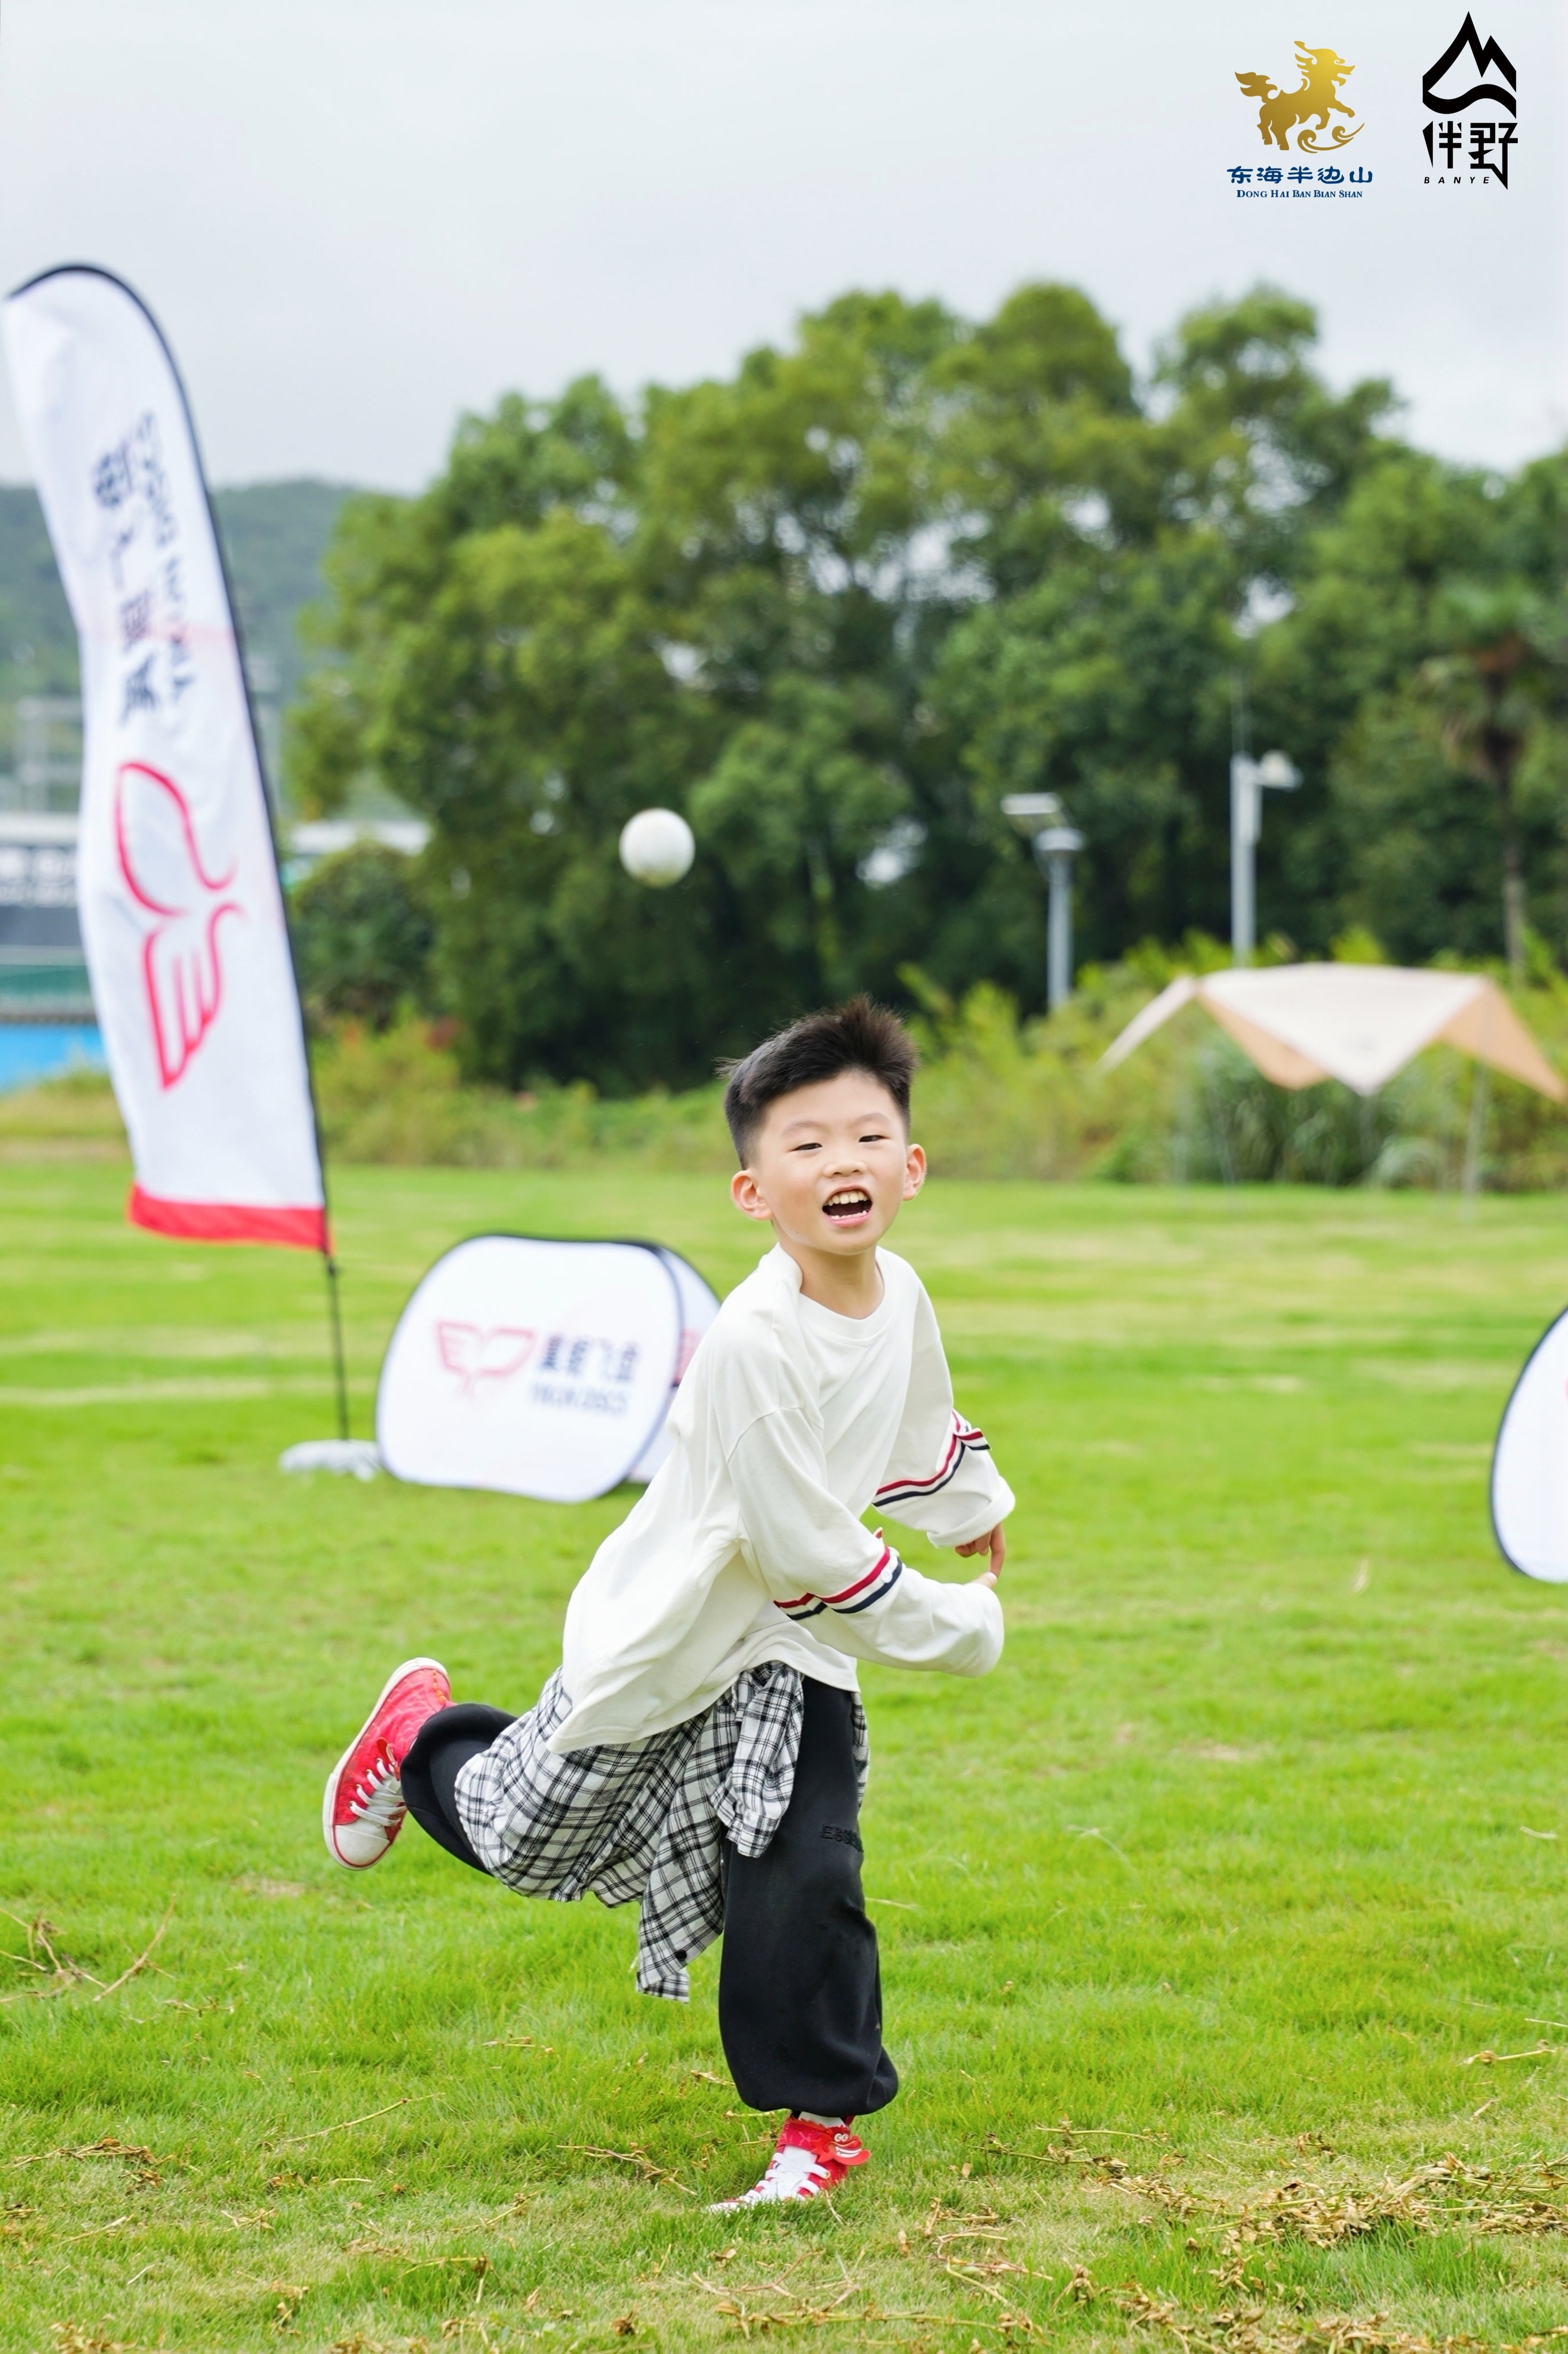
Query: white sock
810,2117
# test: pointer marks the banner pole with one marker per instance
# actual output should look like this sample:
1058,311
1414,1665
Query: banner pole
336,1311
272,807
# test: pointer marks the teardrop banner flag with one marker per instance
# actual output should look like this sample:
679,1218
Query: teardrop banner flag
181,906
539,1368
1529,1463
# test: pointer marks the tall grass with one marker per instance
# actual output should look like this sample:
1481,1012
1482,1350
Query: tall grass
996,1098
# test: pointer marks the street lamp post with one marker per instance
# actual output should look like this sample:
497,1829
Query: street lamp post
1249,781
1055,844
1055,849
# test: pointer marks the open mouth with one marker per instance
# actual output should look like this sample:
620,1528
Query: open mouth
849,1204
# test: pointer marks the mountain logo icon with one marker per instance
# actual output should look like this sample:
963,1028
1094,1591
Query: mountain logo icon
1485,56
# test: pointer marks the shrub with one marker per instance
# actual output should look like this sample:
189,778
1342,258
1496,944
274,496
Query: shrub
363,936
995,1098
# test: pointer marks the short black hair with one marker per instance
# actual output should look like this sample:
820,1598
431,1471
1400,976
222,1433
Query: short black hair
855,1036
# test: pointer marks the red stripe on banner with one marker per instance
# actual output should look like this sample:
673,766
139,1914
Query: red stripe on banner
228,1222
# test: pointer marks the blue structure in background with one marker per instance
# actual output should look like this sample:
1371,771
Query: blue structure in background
46,1022
30,1051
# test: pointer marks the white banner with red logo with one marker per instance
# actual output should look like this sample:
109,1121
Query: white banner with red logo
181,912
1529,1463
699,1306
539,1368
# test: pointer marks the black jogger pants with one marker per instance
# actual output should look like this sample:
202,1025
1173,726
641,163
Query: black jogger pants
800,1993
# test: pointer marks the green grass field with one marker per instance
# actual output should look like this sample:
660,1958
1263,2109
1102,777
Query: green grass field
1248,1861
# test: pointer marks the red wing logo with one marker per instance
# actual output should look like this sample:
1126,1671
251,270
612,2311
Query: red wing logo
155,843
476,1355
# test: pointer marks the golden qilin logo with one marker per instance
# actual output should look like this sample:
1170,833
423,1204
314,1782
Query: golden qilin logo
1307,108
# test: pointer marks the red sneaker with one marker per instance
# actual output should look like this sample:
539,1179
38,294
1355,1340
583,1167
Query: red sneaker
363,1810
807,2160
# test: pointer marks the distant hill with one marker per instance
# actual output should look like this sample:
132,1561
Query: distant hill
37,643
274,535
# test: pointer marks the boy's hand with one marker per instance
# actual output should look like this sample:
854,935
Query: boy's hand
994,1542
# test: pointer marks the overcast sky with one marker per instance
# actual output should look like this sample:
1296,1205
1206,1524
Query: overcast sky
356,218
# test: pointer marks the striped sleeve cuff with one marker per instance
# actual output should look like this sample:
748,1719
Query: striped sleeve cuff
878,1582
965,1439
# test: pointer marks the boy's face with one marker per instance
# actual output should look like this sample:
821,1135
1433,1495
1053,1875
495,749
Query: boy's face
829,1165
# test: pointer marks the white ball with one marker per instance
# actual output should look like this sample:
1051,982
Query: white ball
657,846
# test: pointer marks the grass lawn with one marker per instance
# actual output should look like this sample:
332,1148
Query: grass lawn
1248,1861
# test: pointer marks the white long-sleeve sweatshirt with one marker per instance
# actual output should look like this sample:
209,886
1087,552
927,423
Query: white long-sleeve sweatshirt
748,1546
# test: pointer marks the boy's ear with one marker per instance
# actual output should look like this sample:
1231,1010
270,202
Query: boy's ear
914,1171
747,1195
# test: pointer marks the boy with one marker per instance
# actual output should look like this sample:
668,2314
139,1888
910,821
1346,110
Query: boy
701,1747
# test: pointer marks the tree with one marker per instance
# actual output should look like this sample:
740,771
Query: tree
1344,680
1109,682
1416,857
835,606
1504,659
362,935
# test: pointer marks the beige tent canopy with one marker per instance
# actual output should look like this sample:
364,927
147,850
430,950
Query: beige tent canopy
1358,1023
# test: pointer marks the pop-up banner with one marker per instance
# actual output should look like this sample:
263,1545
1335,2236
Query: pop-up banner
538,1368
1529,1463
181,912
699,1306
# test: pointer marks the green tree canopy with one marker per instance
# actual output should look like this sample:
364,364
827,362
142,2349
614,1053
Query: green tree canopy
836,606
361,935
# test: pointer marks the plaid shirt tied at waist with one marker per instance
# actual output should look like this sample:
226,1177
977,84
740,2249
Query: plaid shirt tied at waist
643,1824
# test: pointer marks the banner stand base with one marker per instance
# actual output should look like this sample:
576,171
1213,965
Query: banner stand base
356,1458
